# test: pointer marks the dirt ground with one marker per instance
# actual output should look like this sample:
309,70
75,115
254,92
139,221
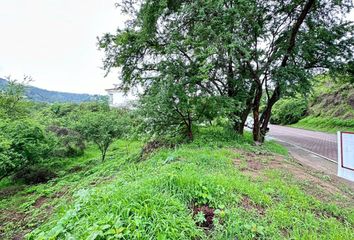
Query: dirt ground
322,185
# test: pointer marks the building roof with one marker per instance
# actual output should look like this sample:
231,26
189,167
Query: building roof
116,88
112,89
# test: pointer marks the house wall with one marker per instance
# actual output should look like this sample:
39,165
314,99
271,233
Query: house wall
116,99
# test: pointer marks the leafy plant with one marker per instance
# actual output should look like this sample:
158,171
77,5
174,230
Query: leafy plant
34,175
23,143
289,111
12,104
200,217
71,143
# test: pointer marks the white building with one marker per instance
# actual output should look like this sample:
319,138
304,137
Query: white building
116,98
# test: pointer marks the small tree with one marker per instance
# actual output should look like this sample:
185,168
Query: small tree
12,104
102,128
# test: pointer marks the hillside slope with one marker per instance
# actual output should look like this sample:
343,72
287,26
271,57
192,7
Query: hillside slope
42,95
333,101
331,108
218,187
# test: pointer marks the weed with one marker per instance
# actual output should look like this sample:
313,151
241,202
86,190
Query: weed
174,194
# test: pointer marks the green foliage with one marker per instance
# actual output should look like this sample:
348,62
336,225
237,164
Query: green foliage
154,199
332,98
331,125
23,143
12,104
70,143
167,47
102,128
289,111
176,111
10,160
330,106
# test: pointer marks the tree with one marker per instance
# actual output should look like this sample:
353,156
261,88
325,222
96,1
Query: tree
241,50
12,104
176,109
102,128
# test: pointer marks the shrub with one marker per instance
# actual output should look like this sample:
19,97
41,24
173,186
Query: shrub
22,143
289,111
9,159
34,175
71,143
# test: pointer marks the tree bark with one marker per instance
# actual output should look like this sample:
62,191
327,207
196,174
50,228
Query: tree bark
257,136
189,128
104,155
190,133
265,118
240,125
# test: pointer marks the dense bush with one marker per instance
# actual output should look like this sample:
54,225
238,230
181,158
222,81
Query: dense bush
289,111
22,143
34,175
9,159
70,143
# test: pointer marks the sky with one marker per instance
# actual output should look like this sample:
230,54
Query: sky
55,42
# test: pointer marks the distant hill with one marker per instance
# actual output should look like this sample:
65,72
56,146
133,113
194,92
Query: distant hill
42,95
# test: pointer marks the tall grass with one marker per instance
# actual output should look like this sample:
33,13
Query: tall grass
331,125
153,199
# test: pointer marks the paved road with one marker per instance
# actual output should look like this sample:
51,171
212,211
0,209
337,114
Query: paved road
320,143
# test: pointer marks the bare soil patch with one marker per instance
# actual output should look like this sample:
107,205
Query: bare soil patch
40,201
11,216
322,186
208,213
247,204
9,191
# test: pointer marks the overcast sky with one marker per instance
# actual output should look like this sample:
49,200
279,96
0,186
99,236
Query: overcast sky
54,41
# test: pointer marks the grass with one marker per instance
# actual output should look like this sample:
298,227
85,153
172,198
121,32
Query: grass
154,198
330,125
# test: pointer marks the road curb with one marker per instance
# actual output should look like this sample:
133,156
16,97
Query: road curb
295,145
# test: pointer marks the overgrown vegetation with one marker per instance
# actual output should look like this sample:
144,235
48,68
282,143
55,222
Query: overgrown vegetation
218,187
324,124
179,165
331,105
32,134
288,111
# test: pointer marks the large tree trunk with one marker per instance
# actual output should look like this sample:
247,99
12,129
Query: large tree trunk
257,136
265,118
189,128
260,132
239,125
